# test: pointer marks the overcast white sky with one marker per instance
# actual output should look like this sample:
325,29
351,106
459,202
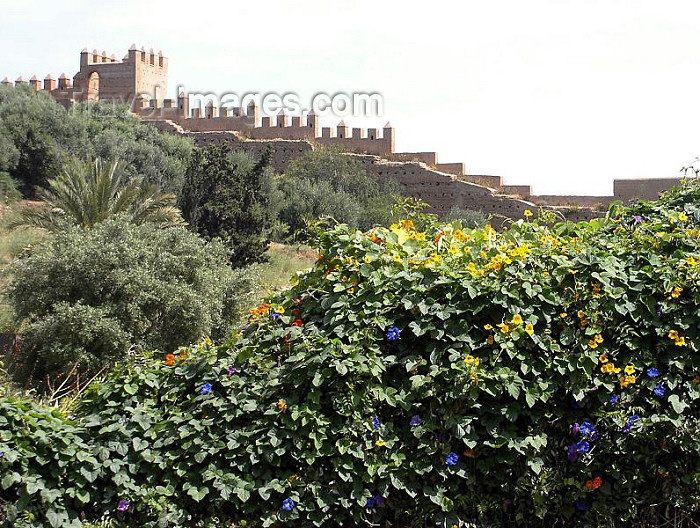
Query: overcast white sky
565,95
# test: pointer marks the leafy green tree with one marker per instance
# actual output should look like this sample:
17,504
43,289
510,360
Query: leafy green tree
38,135
41,131
227,195
327,182
87,295
85,194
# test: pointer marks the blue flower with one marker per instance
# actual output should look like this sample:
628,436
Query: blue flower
287,504
627,428
581,505
574,404
652,372
583,447
274,315
614,398
376,424
660,390
587,428
659,310
392,334
451,459
206,388
415,420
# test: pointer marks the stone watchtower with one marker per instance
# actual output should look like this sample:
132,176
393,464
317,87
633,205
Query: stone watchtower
139,74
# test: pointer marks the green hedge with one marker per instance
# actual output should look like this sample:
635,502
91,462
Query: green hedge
542,376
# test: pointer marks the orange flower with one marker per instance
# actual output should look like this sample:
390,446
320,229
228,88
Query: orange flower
298,322
438,237
282,405
169,359
594,484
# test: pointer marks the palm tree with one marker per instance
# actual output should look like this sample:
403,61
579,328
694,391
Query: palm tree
86,193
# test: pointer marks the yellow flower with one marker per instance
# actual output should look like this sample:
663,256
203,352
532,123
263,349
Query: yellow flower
673,334
488,327
380,443
607,368
580,314
527,213
692,261
419,236
407,224
603,358
680,341
629,369
396,257
351,291
490,340
563,315
282,405
367,259
529,329
598,338
626,381
517,319
505,328
696,379
676,292
453,250
279,309
593,343
683,217
471,360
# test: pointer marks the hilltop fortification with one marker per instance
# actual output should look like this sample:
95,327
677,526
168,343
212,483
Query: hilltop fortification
140,78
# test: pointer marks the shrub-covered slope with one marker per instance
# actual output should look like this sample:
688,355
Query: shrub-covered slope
426,374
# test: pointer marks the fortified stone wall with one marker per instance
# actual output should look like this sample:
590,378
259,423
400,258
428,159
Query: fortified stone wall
140,79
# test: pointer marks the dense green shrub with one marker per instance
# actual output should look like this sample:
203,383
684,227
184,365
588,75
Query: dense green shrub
227,195
46,467
87,295
435,377
327,182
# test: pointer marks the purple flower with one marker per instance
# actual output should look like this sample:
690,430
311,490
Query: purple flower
637,219
374,501
376,424
652,372
660,390
287,504
572,453
123,505
581,505
392,334
627,428
614,398
659,310
451,459
583,447
205,389
415,420
576,429
594,436
232,370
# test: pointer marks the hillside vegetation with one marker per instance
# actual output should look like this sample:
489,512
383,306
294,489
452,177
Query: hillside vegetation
420,374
